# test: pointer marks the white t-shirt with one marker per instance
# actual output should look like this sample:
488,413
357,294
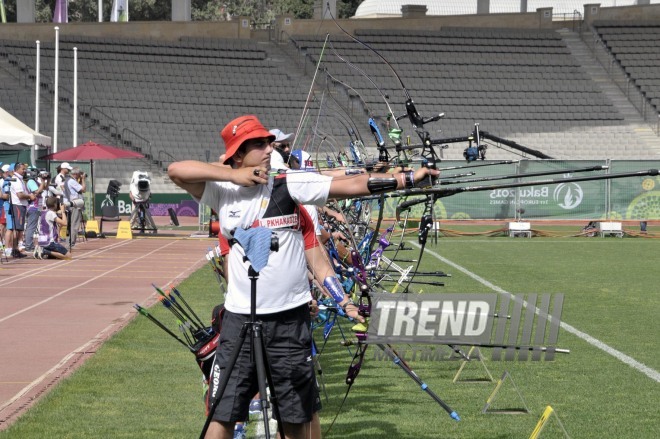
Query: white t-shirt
314,214
18,186
50,234
282,284
59,181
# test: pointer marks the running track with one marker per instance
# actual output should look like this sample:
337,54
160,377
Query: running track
55,314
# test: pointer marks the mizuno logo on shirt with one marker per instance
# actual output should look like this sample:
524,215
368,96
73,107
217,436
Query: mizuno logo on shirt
234,213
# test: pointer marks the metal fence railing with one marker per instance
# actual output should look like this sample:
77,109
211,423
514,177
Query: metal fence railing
574,17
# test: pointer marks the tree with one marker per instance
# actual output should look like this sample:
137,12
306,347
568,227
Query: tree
149,10
261,11
209,10
300,9
347,8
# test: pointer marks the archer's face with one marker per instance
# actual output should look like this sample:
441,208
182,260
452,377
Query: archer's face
284,146
257,153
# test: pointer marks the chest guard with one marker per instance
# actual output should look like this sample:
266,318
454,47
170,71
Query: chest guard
282,211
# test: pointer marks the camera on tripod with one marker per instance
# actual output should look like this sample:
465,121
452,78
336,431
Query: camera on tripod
473,153
140,187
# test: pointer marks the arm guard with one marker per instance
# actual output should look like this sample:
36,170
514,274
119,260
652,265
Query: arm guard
381,185
332,284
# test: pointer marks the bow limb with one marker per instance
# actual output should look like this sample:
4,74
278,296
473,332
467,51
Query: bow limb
425,225
351,375
309,94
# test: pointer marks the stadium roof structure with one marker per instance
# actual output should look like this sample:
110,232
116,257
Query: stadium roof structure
392,8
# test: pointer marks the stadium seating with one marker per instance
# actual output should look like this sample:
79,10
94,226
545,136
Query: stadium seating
636,46
169,99
515,83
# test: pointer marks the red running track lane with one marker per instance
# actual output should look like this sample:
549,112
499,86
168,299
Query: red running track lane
67,309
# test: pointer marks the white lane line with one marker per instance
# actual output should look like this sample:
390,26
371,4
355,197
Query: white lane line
132,261
114,326
57,265
646,370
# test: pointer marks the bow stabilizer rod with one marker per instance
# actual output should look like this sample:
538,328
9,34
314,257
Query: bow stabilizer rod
446,192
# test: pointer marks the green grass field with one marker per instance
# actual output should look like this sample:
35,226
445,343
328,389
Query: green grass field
142,384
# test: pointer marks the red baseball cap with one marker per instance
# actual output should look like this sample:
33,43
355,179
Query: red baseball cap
241,129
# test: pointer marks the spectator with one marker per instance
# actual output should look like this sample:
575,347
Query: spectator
63,170
3,198
20,197
38,186
49,245
74,186
282,146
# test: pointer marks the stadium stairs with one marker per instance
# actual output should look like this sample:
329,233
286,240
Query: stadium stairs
633,120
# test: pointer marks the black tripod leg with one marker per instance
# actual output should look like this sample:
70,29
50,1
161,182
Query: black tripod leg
264,375
224,379
142,218
69,219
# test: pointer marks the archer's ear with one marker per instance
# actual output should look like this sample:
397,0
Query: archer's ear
238,159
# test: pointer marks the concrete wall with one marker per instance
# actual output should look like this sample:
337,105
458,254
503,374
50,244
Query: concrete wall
623,13
162,30
521,21
171,31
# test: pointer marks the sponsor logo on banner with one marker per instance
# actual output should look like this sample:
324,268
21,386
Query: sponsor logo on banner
530,195
568,195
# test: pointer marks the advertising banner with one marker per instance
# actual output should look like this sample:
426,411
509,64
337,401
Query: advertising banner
546,197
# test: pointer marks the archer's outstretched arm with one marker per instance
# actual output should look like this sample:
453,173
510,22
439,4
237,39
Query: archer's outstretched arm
367,184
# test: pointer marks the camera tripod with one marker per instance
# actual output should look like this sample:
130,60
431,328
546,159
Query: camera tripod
143,221
259,357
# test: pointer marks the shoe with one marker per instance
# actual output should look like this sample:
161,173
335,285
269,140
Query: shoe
255,407
239,432
21,246
19,255
37,253
8,252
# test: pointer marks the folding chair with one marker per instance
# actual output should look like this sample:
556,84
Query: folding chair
109,213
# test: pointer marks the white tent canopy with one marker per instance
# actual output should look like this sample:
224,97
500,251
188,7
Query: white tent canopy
15,132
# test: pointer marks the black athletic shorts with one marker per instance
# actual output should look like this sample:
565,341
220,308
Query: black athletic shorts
288,340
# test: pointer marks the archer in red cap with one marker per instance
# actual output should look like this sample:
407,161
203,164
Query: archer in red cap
239,131
245,196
